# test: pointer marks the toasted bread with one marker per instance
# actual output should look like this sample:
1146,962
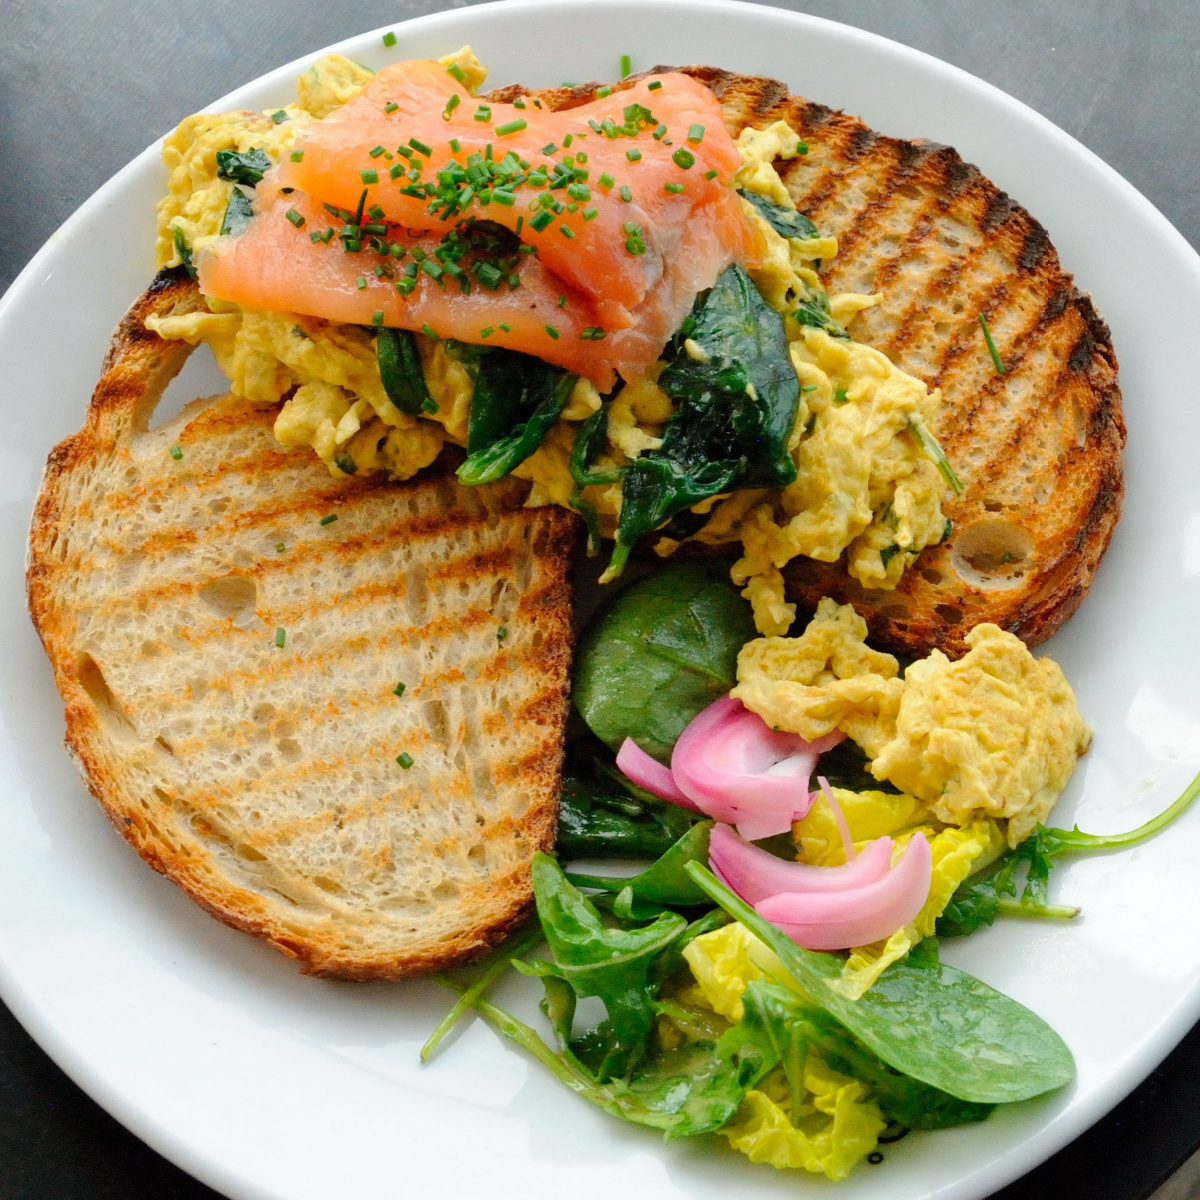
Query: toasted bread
263,778
1038,447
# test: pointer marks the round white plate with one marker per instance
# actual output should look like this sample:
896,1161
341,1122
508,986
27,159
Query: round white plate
266,1084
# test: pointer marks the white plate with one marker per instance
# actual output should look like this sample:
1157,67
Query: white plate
265,1084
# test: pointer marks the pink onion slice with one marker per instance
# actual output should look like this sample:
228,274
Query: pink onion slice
649,773
738,770
837,921
839,818
756,875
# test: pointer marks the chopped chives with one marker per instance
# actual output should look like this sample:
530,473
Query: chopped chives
552,332
511,127
328,519
566,231
280,637
405,760
377,317
673,188
592,333
518,226
518,104
987,337
502,632
568,83
602,92
633,155
486,331
429,405
542,219
389,38
506,327
568,140
429,333
654,85
360,282
454,146
626,195
280,547
626,65
279,116
658,132
398,690
589,214
710,174
390,106
420,147
605,181
695,134
458,73
809,387
396,171
451,105
369,176
176,453
684,159
562,300
297,156
375,151
839,396
483,113
295,218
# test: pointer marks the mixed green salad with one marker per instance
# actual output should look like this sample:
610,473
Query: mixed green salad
716,1021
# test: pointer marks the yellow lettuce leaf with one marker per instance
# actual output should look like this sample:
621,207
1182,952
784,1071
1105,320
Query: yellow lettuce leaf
868,814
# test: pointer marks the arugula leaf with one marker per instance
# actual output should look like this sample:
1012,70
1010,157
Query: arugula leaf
667,880
400,370
595,960
660,651
517,399
596,820
242,167
786,222
980,899
736,395
935,1024
238,213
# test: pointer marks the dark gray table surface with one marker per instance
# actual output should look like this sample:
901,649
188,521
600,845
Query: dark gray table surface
86,86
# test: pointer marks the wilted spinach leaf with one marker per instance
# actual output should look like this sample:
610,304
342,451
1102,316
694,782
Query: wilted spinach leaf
737,394
246,167
661,650
517,399
400,370
786,222
596,960
589,442
936,1024
238,213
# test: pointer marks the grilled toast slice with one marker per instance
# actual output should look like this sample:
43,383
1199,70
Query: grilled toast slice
1038,447
229,662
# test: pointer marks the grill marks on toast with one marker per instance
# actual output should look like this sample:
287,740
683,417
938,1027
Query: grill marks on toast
263,780
1038,447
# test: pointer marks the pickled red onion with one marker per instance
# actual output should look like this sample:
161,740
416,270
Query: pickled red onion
650,774
756,875
738,770
859,915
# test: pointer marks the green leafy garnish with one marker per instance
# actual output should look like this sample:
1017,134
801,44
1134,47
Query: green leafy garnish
666,881
786,222
246,167
238,213
400,370
656,654
933,451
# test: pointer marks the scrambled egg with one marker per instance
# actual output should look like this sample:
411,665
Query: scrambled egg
864,487
995,734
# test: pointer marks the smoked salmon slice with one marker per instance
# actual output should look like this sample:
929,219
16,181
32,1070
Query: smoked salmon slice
612,216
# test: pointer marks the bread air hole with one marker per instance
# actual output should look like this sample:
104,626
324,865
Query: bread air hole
112,716
992,555
232,596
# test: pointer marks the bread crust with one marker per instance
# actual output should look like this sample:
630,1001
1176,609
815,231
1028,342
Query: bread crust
182,826
1039,447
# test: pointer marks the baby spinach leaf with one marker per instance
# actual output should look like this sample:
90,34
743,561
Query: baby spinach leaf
771,1033
599,961
736,394
786,222
589,442
661,650
400,370
246,167
814,311
935,1024
238,213
596,819
692,1083
517,399
980,899
666,881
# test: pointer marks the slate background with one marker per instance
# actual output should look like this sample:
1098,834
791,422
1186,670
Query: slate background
86,86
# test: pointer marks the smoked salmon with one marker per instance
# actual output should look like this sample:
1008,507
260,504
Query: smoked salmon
605,220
